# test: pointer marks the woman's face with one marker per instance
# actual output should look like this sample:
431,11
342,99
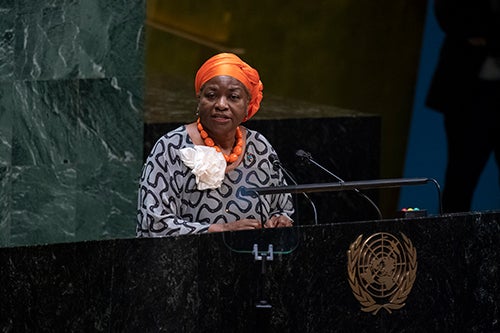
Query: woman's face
222,104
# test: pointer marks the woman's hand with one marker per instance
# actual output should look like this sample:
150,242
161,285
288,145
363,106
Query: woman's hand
245,224
278,221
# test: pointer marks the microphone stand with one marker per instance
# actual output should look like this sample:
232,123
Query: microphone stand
310,159
278,164
263,309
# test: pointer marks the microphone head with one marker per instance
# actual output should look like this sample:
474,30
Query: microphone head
273,158
303,154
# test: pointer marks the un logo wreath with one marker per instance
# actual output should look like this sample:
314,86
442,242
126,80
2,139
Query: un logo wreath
381,271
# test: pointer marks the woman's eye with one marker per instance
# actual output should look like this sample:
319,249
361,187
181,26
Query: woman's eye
235,97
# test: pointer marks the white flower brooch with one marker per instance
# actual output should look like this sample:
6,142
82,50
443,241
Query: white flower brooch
207,165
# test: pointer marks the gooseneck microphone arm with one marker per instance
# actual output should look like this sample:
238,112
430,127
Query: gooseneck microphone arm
277,165
307,157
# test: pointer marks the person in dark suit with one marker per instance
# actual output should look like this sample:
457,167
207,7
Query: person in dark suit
466,89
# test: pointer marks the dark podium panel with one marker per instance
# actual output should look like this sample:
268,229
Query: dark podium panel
197,284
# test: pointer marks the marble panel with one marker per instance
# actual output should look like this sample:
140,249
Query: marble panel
46,39
64,39
5,204
106,200
7,23
481,292
44,123
92,127
111,38
109,120
154,285
43,302
43,204
6,123
122,220
235,301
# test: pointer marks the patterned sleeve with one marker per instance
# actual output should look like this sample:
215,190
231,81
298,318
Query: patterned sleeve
159,193
281,204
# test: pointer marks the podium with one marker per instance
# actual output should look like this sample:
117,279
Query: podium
203,283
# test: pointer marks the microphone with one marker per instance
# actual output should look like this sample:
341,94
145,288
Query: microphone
273,158
303,154
307,157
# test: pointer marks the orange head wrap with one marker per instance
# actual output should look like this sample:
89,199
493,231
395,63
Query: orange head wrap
230,65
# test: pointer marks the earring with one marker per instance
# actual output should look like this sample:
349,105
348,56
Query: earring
197,112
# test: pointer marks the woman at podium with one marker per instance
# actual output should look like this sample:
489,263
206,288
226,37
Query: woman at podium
195,177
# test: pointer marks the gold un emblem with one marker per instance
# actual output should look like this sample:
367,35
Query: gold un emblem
381,271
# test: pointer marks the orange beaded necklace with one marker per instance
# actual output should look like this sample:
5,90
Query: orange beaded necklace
237,149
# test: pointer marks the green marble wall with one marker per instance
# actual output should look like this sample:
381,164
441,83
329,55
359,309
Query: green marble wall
71,95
